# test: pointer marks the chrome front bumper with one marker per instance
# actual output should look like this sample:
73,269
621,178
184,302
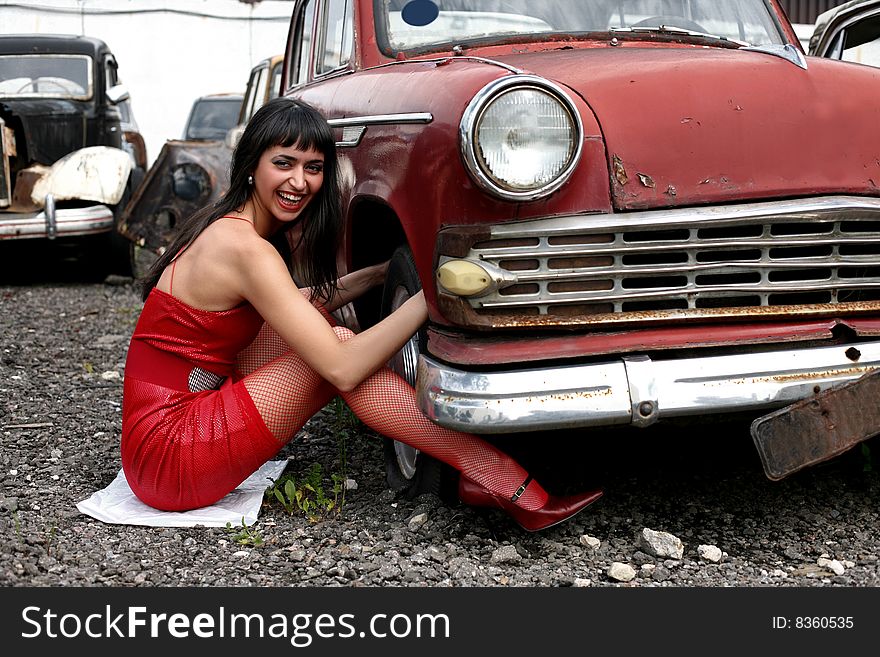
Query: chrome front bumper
633,390
66,222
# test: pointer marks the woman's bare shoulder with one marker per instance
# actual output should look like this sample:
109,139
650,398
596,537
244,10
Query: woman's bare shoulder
231,240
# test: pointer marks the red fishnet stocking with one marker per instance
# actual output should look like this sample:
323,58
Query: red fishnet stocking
287,392
266,347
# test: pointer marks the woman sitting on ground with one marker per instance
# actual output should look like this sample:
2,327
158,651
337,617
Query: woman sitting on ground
229,358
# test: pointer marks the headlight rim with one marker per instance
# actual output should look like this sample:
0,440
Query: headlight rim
474,111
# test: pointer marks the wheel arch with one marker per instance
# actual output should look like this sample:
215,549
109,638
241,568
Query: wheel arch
374,232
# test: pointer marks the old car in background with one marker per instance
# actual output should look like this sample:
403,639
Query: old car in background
192,172
849,32
620,211
70,153
212,116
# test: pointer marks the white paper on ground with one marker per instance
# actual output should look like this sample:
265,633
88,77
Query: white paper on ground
116,504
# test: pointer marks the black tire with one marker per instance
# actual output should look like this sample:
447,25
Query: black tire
407,470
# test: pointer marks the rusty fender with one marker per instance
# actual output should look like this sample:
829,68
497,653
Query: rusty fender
186,176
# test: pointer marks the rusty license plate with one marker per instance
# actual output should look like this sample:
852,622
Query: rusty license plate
818,428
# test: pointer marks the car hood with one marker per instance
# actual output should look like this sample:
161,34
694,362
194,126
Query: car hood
686,126
52,128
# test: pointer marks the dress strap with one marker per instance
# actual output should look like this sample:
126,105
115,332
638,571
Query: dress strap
171,280
229,216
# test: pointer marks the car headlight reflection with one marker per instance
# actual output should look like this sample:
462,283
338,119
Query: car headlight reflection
521,137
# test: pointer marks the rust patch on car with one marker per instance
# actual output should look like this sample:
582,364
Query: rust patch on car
820,427
24,185
619,171
195,168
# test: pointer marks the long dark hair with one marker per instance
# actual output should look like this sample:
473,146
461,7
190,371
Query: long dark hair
280,122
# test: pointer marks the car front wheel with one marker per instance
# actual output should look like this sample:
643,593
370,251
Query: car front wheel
408,470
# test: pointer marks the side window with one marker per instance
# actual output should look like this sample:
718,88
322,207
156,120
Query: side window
275,84
861,43
335,34
252,99
304,31
260,83
111,74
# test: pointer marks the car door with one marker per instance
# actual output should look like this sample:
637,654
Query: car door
850,33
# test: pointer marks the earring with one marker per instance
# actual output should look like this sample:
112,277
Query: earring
250,180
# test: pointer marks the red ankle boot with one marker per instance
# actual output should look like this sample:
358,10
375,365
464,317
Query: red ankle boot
555,509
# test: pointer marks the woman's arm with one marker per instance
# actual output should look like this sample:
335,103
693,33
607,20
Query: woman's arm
264,281
353,285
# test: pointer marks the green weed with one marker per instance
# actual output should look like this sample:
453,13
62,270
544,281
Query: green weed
314,494
307,494
245,535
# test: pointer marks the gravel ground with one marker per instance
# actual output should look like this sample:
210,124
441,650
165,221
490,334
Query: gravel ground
63,338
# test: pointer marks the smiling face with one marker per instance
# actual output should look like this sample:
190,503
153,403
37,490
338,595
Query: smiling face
286,180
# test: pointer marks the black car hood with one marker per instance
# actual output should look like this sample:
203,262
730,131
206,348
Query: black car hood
51,128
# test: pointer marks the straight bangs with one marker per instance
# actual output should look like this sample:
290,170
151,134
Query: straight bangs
306,132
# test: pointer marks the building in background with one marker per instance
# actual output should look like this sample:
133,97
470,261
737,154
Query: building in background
170,52
806,11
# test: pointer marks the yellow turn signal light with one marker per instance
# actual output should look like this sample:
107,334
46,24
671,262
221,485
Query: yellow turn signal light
463,277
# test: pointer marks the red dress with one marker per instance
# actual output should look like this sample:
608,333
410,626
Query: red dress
190,431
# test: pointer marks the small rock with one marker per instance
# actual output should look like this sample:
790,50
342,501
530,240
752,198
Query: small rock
415,523
241,554
581,582
109,340
590,542
621,572
709,553
640,558
833,565
660,574
660,544
350,484
505,554
435,553
110,375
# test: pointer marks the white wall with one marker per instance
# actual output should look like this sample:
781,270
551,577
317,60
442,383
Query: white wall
169,52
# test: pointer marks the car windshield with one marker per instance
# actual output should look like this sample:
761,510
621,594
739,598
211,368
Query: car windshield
212,119
46,76
412,24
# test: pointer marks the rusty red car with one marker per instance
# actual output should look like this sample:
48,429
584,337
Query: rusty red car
621,211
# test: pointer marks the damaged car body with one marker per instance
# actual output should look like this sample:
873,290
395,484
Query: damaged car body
189,174
620,211
68,159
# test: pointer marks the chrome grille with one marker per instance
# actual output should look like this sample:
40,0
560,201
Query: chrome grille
798,256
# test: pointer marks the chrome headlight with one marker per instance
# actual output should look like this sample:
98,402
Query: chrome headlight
521,137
